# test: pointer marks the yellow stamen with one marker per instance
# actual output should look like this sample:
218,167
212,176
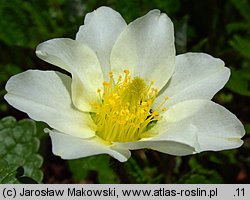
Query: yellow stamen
105,83
124,110
126,71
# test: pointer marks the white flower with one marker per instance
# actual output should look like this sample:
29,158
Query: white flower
124,79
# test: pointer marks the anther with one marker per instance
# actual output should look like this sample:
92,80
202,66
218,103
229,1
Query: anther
158,118
155,113
126,71
105,83
124,108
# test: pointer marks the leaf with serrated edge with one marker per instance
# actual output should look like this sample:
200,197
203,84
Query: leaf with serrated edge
19,146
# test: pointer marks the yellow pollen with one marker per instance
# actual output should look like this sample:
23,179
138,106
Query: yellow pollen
105,83
158,118
155,113
125,109
126,71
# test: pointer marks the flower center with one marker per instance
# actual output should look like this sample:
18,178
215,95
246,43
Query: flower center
124,111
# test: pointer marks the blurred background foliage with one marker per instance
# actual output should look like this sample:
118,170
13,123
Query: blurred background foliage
218,27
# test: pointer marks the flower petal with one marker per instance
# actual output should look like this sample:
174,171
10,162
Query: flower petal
201,124
169,147
100,31
146,48
69,147
196,76
46,96
191,127
81,62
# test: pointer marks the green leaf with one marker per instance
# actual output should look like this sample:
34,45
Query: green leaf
239,82
195,178
247,127
243,7
171,6
199,174
22,178
6,72
236,26
7,172
242,45
223,157
80,168
19,146
31,22
141,174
